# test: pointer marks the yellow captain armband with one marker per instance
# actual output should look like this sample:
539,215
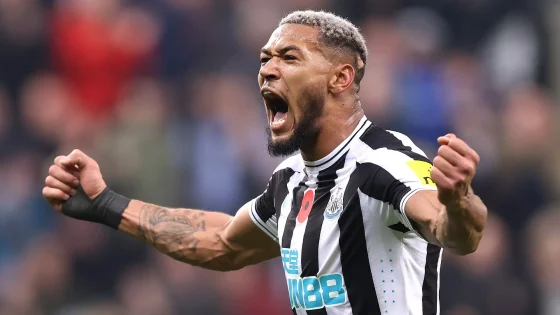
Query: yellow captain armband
422,171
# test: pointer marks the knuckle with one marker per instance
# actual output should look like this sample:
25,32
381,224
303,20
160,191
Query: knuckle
58,158
476,158
52,169
467,168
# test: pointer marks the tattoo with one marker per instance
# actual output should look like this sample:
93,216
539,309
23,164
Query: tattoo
171,230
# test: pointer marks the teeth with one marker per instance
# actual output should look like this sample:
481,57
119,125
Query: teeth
279,118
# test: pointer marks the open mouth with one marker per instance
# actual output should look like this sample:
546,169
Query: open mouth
277,108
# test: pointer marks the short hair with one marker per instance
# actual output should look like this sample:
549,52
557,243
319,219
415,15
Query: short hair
336,32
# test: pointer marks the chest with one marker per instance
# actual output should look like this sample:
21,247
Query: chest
313,212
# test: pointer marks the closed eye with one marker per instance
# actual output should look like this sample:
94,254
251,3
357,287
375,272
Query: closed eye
264,60
290,57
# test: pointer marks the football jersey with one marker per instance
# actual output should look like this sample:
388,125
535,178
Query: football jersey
347,245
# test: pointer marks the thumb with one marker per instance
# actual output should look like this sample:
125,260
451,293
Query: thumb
76,159
445,139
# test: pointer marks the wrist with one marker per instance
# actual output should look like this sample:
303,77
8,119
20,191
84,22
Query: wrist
461,201
110,207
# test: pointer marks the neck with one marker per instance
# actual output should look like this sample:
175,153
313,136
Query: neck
334,131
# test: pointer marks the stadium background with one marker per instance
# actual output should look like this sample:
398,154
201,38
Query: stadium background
164,95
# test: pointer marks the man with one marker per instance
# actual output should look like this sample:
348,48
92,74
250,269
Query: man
358,217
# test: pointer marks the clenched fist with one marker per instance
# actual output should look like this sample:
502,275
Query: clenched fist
76,188
454,168
69,172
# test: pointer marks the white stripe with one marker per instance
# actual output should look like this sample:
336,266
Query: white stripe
414,260
285,209
407,142
438,279
297,237
329,238
389,260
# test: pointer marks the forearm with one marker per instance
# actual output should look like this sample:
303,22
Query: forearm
460,225
190,236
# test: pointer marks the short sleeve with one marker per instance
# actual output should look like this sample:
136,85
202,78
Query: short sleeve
262,211
398,177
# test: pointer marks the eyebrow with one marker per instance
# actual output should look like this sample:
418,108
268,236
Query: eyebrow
282,50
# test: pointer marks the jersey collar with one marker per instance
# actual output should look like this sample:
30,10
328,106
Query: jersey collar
336,154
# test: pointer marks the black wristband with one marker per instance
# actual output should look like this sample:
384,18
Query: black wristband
107,208
111,207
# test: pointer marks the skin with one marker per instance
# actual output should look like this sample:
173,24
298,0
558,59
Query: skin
453,217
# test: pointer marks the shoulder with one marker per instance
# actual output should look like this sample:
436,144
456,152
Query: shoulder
386,147
294,163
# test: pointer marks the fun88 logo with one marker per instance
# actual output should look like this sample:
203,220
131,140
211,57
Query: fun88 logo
311,292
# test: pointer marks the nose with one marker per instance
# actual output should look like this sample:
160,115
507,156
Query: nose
269,71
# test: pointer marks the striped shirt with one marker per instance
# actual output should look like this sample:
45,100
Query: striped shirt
347,246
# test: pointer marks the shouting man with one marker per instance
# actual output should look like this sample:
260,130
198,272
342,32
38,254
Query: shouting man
358,216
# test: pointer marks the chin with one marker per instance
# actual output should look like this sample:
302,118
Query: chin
282,137
282,145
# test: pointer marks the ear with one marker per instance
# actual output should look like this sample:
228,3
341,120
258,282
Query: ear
342,79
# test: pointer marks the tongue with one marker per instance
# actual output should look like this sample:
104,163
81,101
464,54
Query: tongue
280,116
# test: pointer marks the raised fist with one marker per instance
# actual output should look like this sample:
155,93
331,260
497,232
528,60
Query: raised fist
454,168
70,174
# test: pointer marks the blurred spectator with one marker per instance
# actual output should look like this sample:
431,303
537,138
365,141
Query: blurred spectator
485,283
544,253
136,149
23,44
422,112
98,45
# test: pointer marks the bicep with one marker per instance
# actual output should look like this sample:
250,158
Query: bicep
424,209
250,242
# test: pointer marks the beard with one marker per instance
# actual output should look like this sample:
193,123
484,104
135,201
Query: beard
305,131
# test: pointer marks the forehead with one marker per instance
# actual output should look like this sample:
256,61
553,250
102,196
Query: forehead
303,36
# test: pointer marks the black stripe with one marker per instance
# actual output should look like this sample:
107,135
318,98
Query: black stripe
277,188
291,220
353,249
312,234
376,138
399,227
282,180
429,287
381,185
341,149
415,156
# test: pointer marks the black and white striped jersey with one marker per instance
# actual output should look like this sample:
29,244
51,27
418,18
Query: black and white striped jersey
347,246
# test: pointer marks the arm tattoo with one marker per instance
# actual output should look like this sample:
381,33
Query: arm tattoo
171,230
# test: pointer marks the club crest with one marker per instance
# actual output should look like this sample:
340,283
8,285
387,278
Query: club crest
335,204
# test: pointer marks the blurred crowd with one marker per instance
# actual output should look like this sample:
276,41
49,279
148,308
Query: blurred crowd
164,95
